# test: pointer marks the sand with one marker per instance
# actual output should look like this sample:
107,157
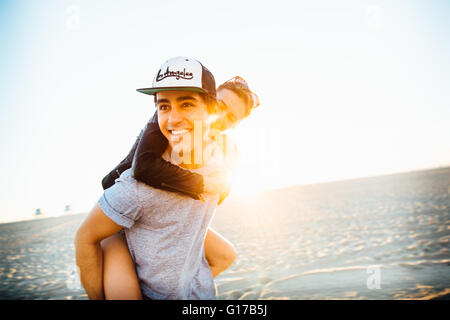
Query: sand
384,237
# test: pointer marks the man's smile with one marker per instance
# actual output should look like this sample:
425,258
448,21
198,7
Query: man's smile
177,134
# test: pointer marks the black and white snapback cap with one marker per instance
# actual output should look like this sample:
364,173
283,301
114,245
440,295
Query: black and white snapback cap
185,74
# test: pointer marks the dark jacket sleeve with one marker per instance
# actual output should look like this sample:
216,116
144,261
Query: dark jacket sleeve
150,168
125,164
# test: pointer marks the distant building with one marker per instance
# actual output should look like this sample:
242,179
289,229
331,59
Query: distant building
39,212
68,208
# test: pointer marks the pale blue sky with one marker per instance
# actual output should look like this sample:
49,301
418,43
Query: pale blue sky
347,88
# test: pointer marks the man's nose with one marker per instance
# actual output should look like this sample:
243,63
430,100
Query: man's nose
175,116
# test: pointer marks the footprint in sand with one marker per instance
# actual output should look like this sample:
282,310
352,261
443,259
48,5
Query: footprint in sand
233,294
264,279
250,295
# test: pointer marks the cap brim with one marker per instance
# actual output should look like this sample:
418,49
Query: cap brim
152,91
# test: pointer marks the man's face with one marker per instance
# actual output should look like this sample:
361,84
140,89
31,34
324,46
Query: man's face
235,109
177,111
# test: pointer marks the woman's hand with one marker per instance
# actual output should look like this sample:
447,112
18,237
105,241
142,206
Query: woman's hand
216,183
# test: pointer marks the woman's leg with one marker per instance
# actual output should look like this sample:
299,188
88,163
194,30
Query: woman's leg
219,252
120,281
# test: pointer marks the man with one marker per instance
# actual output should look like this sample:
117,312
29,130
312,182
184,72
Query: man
165,231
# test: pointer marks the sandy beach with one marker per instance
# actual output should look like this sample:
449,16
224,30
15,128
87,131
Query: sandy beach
385,237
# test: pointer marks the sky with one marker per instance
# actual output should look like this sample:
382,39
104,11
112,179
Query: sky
347,88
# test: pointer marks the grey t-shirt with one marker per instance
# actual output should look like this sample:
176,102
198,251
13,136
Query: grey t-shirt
165,232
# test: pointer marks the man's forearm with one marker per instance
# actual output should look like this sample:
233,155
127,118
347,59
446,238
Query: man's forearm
89,258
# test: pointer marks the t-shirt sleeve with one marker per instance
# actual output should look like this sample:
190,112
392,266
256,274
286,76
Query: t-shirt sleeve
120,202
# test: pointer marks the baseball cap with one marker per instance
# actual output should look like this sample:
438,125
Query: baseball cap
182,73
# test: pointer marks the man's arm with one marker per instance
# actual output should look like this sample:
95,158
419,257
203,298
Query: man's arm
89,256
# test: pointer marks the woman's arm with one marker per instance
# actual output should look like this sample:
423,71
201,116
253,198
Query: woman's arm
150,168
110,178
125,164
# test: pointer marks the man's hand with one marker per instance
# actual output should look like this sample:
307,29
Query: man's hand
89,256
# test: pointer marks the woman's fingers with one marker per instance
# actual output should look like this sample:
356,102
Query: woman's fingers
216,183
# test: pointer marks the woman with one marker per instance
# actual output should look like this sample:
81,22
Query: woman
235,102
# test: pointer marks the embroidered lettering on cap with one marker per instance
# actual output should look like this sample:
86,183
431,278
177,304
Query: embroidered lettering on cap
177,74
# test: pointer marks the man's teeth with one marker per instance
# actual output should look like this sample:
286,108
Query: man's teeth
179,132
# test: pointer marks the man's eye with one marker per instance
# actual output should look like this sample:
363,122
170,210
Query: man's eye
163,107
187,105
